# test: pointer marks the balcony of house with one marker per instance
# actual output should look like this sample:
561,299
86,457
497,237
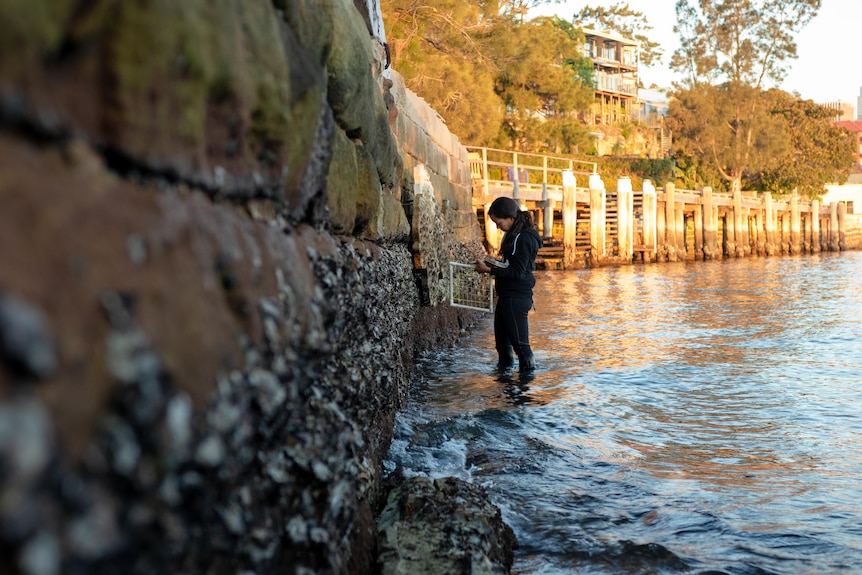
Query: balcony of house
621,84
610,60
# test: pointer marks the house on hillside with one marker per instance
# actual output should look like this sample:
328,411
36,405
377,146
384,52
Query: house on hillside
619,99
615,60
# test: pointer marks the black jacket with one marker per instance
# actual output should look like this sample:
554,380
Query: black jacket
518,280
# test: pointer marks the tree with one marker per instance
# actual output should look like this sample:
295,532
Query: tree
495,77
440,49
738,41
729,129
544,83
821,153
627,22
729,50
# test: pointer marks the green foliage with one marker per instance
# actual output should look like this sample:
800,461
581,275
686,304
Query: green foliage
659,171
495,78
820,153
624,20
690,173
768,141
442,49
721,117
503,81
543,86
738,41
729,129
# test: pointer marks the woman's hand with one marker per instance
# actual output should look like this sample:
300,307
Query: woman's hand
482,267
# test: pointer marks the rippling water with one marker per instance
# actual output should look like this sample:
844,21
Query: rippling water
685,418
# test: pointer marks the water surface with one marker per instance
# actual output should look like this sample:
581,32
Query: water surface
685,418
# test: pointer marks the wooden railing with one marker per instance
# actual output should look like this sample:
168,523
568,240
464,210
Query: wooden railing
521,174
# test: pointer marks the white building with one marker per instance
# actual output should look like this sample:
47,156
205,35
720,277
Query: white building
850,193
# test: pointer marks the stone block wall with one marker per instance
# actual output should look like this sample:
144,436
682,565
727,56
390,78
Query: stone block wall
210,287
437,190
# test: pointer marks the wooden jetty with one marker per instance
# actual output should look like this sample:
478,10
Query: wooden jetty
586,226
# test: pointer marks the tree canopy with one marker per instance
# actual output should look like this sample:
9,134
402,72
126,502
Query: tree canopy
728,127
738,41
544,83
502,79
495,77
820,153
441,50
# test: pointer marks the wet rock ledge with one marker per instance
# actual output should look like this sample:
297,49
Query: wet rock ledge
223,240
443,526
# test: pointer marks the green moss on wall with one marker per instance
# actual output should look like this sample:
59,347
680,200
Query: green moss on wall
30,29
341,182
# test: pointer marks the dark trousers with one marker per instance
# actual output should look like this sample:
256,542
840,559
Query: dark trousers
512,331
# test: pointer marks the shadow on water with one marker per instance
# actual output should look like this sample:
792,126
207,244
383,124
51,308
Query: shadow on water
683,419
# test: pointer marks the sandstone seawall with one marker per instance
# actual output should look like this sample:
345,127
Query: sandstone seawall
223,235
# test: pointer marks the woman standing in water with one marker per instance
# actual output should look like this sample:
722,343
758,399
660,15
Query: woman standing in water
514,282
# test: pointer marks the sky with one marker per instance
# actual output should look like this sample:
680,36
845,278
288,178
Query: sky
829,67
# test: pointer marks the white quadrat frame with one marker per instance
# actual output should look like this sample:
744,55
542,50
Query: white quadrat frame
456,298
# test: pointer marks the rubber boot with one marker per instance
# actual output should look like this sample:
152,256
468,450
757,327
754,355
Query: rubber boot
526,363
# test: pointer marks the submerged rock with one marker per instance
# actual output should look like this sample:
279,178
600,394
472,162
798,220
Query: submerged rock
443,526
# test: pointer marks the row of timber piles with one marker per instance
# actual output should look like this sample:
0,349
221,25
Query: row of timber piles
705,225
601,228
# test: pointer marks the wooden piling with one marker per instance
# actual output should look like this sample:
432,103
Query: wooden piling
815,226
670,222
649,222
661,234
570,220
746,227
698,232
597,220
547,212
795,225
549,218
736,240
679,232
721,232
625,218
785,233
729,234
769,223
710,225
757,233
